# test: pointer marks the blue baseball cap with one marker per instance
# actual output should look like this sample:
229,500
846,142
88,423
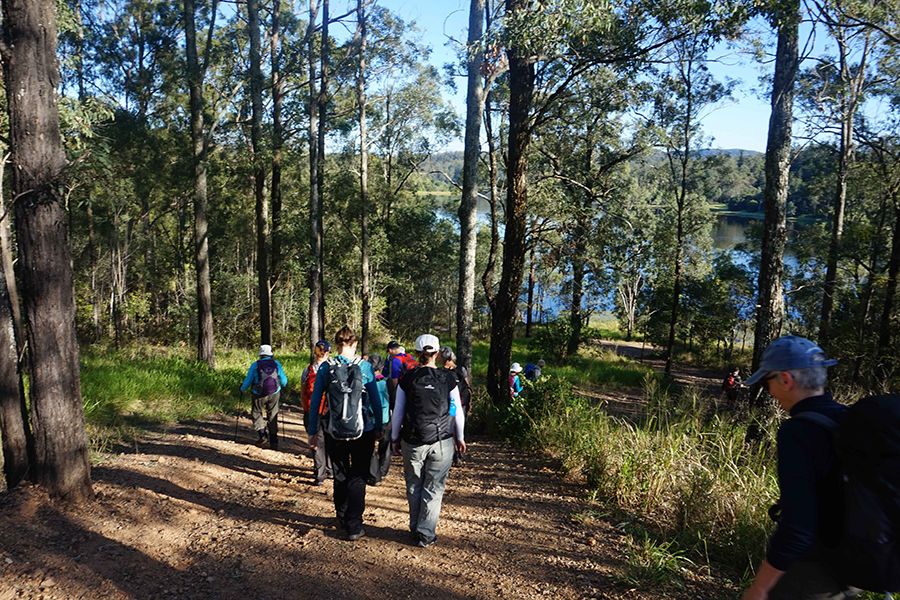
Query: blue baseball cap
325,345
789,353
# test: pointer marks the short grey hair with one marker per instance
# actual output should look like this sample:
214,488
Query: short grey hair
813,378
446,354
810,379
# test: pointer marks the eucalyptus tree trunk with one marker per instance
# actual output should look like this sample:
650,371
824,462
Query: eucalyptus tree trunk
322,104
14,430
363,179
277,142
885,356
259,175
850,96
503,322
61,462
205,341
487,278
465,305
316,326
529,316
9,273
770,315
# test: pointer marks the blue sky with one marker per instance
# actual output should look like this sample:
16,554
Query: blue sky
739,124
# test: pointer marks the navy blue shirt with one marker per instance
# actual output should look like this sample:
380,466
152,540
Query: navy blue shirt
809,483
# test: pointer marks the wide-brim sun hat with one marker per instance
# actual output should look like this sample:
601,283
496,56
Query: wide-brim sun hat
265,350
515,368
427,343
790,353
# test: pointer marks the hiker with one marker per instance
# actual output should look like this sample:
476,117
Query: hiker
537,369
448,358
400,363
381,456
266,378
321,462
515,384
793,371
731,385
529,372
426,415
352,425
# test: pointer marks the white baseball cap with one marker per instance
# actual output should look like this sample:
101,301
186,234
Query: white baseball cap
265,350
427,342
515,368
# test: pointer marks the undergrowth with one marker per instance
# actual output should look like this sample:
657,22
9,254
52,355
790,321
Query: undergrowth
696,489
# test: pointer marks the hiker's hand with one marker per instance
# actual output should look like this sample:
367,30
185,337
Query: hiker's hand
395,447
461,446
379,436
313,442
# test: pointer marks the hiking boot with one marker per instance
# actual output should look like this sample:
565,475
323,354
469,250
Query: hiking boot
423,543
263,440
355,536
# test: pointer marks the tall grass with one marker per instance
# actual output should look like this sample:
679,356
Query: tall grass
683,472
126,390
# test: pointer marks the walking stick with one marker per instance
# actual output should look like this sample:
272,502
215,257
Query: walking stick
237,418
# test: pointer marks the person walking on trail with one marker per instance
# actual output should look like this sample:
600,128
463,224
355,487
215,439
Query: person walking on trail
731,385
537,369
400,362
793,370
352,423
426,417
515,384
381,457
447,357
266,378
321,462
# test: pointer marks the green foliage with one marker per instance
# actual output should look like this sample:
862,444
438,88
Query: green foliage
551,341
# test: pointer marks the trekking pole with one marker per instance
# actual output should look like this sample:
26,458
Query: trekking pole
237,419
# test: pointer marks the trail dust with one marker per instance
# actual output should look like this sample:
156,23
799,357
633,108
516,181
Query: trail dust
194,511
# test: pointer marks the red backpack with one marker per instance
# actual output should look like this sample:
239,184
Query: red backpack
308,385
407,363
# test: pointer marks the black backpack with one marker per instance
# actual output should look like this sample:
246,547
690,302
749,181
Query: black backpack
426,419
344,395
465,391
266,377
867,445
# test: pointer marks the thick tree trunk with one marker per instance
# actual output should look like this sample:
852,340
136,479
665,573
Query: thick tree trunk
259,175
770,315
521,92
57,417
205,343
363,178
465,305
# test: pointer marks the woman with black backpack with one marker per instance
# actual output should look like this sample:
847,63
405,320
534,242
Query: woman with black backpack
427,416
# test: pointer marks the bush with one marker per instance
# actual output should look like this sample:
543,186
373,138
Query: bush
552,341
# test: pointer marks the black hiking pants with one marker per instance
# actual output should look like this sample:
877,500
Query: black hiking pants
350,464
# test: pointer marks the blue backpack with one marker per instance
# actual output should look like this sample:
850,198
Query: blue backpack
266,377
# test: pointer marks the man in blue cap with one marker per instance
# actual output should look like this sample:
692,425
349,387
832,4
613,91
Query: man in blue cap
793,370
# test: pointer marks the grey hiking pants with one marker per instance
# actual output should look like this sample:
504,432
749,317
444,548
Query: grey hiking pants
269,405
426,467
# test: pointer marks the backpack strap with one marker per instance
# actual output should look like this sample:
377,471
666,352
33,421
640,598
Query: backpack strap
821,420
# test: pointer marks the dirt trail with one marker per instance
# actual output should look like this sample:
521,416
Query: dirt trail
191,514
